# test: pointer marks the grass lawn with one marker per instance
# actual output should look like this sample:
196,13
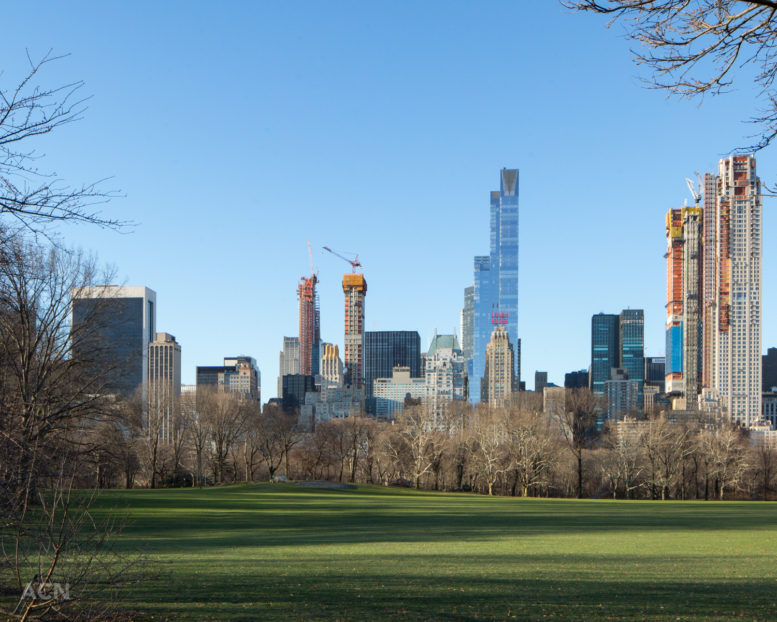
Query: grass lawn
281,552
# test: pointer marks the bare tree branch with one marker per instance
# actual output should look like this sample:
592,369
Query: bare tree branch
29,195
694,47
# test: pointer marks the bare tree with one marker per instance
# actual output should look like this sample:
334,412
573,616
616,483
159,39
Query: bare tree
274,437
223,420
695,47
531,446
625,462
578,425
44,390
415,428
29,111
667,445
724,444
489,444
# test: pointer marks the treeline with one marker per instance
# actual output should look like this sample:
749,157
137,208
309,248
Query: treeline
519,450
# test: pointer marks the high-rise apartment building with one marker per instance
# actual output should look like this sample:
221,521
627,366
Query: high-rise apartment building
392,393
309,326
112,325
496,280
605,349
499,381
632,347
623,395
239,374
355,289
288,361
164,382
445,376
467,328
383,351
684,236
733,282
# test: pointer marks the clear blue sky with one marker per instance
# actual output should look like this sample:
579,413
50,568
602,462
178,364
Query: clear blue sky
236,131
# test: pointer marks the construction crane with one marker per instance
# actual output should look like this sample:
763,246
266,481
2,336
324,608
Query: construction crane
354,262
695,192
313,273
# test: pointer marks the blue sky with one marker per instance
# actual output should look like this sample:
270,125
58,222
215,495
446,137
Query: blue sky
237,131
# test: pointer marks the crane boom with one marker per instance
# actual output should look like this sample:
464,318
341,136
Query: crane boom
354,262
310,258
695,192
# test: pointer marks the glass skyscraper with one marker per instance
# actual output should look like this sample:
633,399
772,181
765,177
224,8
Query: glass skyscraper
632,342
605,349
384,350
112,326
496,280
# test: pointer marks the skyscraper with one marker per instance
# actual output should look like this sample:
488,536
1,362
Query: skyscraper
123,323
164,382
384,350
239,374
355,289
734,286
331,365
632,347
444,373
309,326
683,305
289,360
605,349
499,380
496,279
467,327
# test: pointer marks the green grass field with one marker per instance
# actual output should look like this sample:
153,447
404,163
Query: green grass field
280,552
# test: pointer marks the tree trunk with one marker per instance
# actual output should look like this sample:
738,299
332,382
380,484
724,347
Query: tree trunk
580,474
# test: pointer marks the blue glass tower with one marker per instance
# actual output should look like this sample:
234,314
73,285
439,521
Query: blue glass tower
605,349
632,342
496,280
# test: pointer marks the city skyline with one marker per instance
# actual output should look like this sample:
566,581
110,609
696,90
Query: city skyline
373,149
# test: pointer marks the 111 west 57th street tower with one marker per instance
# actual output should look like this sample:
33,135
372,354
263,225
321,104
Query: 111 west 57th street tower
496,282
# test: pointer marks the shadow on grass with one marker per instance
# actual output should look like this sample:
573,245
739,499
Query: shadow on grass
289,516
419,597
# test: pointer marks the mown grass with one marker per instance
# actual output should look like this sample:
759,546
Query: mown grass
280,552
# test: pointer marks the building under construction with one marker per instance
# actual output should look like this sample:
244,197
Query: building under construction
355,289
683,305
309,326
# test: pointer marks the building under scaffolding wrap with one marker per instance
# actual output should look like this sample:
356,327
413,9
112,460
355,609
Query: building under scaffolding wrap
683,305
355,289
309,326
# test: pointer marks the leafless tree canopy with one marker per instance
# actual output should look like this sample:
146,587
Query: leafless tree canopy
28,112
695,47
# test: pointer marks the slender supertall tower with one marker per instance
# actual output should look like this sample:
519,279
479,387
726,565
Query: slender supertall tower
496,280
309,325
355,289
735,363
684,305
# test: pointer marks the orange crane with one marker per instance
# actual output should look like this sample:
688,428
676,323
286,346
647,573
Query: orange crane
354,262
